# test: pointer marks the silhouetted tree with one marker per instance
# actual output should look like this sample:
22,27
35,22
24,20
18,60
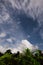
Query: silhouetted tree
8,51
1,54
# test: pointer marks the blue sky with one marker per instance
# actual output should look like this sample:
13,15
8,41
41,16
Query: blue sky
20,20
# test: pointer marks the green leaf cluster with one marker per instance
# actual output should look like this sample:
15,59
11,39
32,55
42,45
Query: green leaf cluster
25,58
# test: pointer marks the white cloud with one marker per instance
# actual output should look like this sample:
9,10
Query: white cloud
2,49
23,45
26,44
20,47
4,15
15,3
2,34
11,39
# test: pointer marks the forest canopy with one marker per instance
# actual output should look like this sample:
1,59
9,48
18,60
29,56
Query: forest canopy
24,58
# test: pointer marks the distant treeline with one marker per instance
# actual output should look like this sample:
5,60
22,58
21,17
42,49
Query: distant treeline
25,58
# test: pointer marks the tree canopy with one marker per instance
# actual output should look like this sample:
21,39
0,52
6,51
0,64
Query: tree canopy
25,58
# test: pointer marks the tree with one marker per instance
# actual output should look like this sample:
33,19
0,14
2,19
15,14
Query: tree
1,54
8,51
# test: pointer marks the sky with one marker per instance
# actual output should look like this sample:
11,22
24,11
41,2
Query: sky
21,20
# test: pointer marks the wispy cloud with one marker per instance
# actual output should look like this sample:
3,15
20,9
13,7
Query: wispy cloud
2,34
11,39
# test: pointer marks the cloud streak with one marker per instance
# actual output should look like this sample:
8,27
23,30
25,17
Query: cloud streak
2,34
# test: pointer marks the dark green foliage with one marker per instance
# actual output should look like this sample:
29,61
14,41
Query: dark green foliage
1,54
8,51
25,58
